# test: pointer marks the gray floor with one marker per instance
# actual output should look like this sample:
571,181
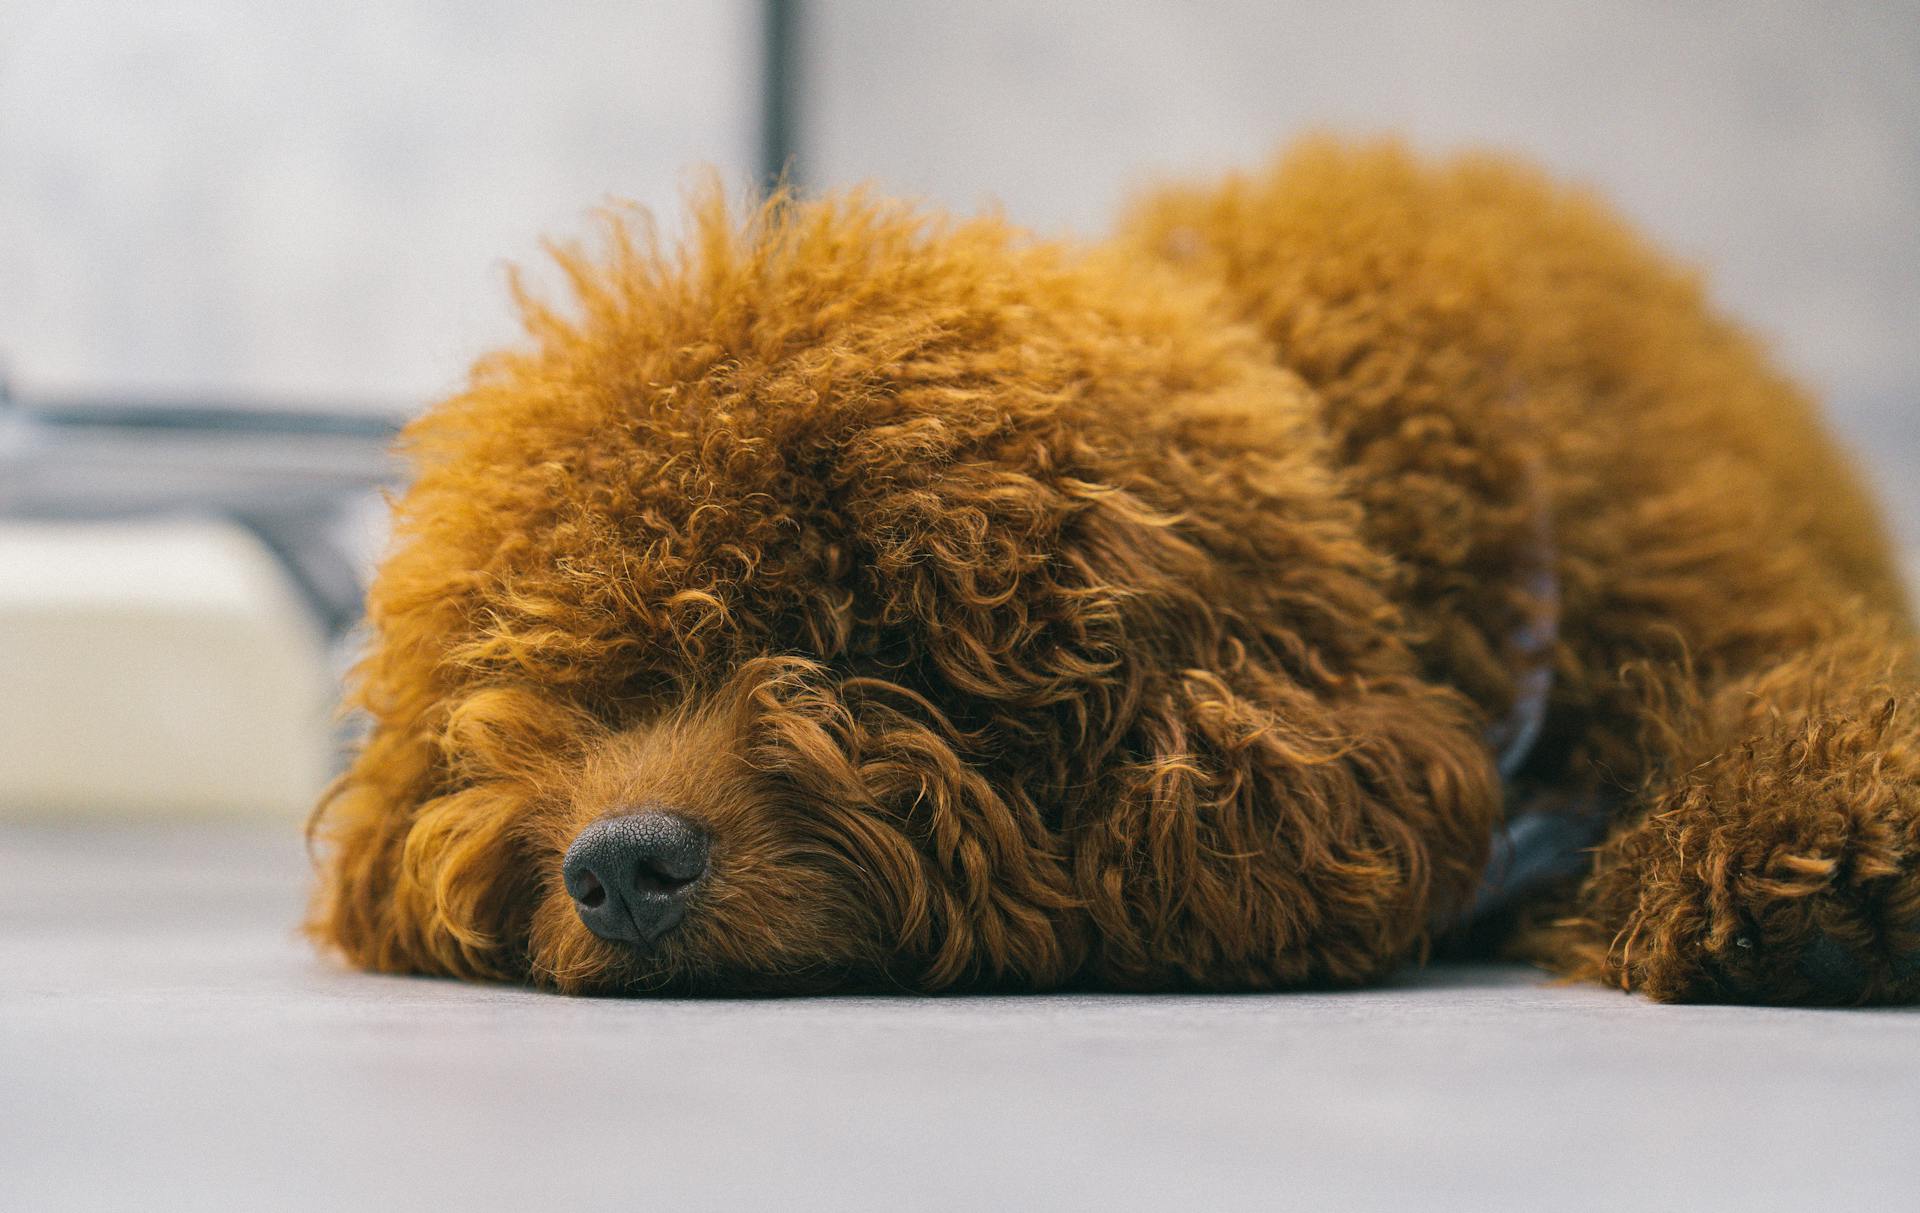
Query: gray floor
166,1041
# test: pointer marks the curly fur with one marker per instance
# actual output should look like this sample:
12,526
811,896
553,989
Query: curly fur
1018,615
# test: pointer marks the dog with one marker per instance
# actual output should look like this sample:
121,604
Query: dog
1343,559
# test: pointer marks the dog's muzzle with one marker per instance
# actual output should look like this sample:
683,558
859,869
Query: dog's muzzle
632,876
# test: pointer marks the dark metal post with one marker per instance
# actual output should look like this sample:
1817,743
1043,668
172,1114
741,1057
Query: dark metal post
779,89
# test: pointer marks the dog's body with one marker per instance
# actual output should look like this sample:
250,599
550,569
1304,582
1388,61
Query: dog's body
1152,616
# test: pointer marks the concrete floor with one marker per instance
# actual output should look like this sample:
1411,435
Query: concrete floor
166,1041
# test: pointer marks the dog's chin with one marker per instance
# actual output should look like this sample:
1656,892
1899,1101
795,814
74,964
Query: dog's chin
670,972
698,959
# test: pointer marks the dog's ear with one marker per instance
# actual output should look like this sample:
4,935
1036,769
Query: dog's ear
1291,802
1219,708
358,835
421,842
1260,830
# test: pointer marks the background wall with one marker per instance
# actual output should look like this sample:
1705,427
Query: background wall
297,198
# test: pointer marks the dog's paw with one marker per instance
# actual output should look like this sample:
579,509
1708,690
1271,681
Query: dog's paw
1739,913
1769,882
1833,929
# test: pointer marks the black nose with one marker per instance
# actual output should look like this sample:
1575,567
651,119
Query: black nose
630,876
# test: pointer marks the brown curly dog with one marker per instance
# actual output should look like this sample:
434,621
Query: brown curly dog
1340,555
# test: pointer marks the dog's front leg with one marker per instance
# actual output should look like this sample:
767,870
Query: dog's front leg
1776,858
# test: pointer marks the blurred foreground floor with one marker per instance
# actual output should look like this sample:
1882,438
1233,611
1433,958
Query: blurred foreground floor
166,1041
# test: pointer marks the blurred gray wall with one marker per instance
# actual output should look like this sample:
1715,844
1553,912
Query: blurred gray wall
1776,144
293,198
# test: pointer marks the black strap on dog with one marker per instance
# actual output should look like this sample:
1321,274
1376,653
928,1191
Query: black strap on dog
1545,839
1530,646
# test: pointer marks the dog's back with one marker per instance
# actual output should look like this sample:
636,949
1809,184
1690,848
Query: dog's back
1492,351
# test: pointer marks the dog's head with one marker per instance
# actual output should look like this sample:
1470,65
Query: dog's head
848,600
